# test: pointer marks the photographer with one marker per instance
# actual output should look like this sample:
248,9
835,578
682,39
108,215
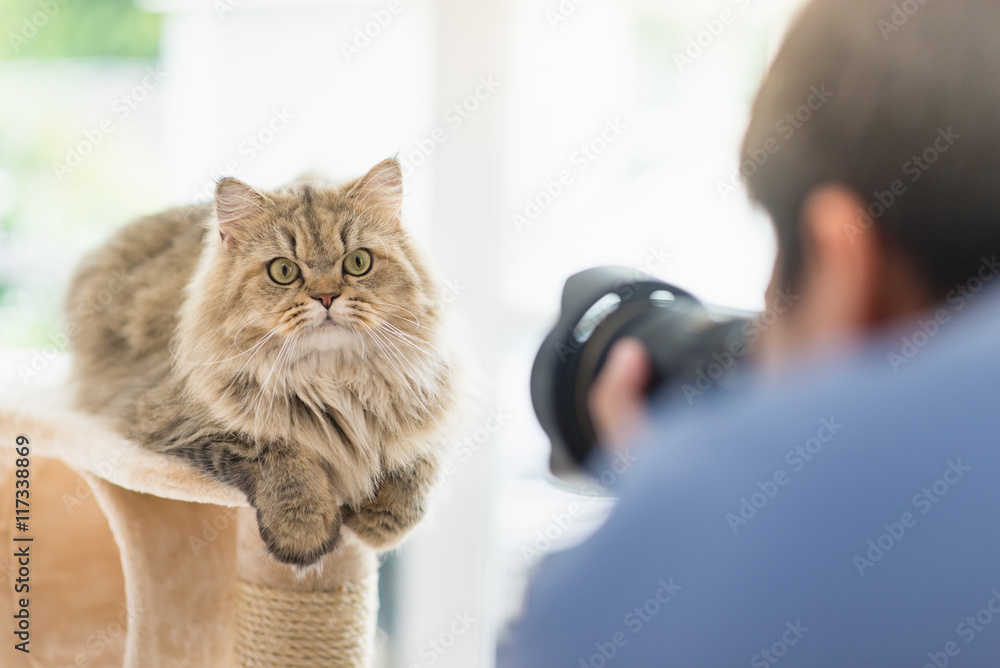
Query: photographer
840,511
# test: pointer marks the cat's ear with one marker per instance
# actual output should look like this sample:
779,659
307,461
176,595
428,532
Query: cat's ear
236,205
380,190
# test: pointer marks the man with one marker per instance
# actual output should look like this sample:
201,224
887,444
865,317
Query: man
842,512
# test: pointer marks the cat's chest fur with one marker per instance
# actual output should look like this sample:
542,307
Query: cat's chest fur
350,412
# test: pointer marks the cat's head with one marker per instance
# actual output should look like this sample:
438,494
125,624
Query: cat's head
322,267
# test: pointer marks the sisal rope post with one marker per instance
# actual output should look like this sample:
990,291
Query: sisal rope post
277,627
325,617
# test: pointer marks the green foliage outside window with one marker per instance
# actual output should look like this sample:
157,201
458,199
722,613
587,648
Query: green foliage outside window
77,29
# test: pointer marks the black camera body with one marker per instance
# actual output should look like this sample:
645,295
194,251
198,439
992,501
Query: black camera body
599,307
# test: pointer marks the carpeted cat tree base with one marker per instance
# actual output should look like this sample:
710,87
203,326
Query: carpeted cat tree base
137,560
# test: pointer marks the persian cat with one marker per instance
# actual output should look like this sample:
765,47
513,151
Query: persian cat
287,343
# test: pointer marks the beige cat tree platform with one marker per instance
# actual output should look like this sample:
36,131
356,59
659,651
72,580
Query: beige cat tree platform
139,561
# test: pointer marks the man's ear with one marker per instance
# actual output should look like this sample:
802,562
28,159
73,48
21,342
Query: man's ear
831,298
380,191
844,260
236,206
852,280
856,273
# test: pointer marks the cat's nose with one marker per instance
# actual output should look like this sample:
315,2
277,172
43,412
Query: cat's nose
326,298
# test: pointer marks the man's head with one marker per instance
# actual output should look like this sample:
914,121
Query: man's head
874,145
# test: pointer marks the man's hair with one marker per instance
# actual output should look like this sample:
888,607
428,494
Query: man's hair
912,81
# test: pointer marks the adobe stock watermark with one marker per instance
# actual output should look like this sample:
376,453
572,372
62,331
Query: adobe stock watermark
714,28
914,168
635,620
561,13
452,290
223,7
796,459
899,17
779,648
561,522
121,108
929,327
253,145
366,33
580,161
967,630
435,648
83,491
31,25
785,128
708,375
453,118
103,640
924,501
210,531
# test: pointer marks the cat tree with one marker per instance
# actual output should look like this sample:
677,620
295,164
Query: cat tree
137,560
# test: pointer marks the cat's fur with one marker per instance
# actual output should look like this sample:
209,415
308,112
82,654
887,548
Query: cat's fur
203,355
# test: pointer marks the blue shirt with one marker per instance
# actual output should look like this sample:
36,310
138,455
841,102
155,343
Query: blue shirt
847,516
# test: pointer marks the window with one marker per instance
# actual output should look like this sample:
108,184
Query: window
539,138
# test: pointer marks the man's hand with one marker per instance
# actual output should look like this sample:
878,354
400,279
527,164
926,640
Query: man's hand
617,399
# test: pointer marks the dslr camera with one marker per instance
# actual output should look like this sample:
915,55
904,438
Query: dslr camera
691,346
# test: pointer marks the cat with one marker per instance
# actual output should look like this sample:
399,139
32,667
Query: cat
288,343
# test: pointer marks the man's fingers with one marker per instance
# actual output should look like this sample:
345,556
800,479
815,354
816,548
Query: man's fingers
617,399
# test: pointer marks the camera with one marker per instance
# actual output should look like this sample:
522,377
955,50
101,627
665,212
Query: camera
687,342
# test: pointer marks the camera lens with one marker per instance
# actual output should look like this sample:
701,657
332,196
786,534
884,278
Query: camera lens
599,307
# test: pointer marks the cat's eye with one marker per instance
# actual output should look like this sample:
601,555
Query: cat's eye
283,271
358,263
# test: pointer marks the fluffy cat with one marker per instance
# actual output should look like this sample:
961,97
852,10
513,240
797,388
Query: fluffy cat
286,343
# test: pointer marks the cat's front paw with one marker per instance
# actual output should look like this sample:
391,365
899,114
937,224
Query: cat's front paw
384,520
379,530
300,534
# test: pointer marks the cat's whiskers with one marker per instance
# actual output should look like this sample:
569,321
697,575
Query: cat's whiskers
259,396
260,346
381,320
381,333
263,385
403,360
359,335
415,322
229,359
387,330
386,353
250,322
283,375
379,327
376,368
384,318
414,342
420,374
